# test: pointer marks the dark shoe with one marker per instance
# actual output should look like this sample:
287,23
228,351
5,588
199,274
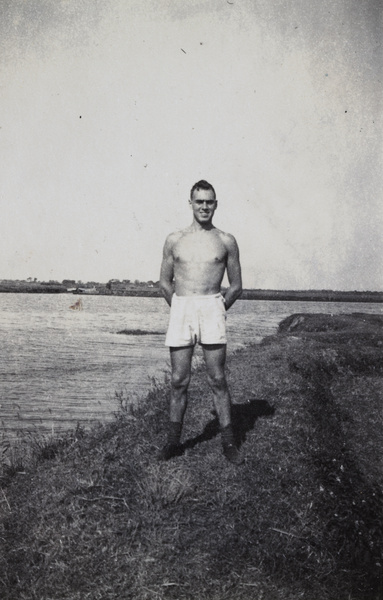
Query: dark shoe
170,451
232,454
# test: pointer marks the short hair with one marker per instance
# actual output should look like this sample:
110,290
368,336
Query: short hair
202,185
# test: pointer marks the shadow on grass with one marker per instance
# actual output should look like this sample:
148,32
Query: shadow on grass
244,417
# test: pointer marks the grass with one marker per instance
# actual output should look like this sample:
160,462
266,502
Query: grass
94,515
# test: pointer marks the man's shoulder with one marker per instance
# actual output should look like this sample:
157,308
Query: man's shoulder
173,237
227,238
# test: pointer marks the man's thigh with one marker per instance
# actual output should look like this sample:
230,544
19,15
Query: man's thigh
215,359
181,359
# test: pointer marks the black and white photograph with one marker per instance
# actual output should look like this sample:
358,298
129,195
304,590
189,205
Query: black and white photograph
191,300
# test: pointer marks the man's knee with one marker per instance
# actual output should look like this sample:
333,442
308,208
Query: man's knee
217,380
180,381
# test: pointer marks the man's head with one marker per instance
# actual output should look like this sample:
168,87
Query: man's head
203,202
202,185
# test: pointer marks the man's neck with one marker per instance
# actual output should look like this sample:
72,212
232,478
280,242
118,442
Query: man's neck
195,226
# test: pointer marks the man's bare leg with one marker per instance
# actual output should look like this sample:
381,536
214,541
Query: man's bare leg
181,359
215,358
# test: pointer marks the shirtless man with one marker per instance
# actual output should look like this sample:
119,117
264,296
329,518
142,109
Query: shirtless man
193,266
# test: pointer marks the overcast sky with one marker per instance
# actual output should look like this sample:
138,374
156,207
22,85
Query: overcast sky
110,110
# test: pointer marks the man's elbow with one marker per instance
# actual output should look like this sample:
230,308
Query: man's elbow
163,287
237,289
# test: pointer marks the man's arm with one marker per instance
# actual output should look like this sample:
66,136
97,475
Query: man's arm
167,271
233,269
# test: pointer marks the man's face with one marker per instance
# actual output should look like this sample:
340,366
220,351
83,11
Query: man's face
203,205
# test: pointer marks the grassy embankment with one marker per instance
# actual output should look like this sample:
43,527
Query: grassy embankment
93,515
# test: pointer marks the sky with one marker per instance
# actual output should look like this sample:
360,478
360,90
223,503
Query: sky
110,110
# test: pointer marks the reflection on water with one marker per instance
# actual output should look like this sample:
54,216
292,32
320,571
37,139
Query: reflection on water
59,366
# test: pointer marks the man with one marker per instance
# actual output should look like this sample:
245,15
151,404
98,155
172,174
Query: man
193,266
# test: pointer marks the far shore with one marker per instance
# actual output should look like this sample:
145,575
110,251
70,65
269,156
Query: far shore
151,290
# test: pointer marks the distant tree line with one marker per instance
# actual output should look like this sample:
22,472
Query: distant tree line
126,287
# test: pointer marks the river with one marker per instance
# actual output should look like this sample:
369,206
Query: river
60,367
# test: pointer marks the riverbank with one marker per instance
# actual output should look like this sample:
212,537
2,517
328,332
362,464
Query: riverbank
94,515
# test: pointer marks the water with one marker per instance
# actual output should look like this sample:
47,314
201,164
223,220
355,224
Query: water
61,367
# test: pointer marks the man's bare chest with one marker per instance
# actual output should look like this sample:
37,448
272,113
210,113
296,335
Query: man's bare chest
199,249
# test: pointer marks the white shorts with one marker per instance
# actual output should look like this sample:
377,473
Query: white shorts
194,319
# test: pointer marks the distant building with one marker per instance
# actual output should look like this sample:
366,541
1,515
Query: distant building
86,291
